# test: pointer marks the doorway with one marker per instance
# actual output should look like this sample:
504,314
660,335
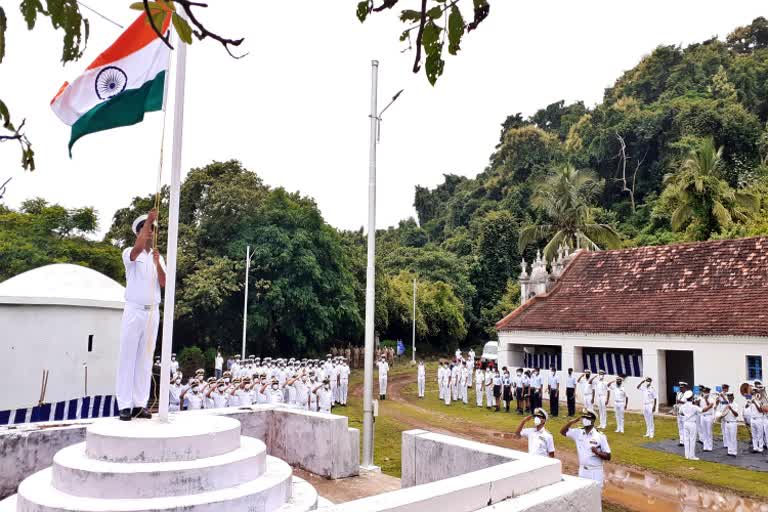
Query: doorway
679,367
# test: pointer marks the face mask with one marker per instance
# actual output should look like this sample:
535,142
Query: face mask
226,380
537,421
274,386
327,386
586,422
602,377
519,374
221,389
178,381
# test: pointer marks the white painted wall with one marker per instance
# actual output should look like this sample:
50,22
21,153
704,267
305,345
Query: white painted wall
716,359
35,337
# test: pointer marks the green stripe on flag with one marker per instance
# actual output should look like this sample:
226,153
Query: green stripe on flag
125,109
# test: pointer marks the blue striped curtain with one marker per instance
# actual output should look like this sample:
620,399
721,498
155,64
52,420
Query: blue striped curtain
78,408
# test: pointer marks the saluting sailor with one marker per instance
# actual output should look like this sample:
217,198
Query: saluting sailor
145,275
591,446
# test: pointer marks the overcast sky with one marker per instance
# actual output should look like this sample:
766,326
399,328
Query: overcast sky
295,110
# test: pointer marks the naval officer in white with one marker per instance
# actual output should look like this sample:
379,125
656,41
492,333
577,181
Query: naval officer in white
144,275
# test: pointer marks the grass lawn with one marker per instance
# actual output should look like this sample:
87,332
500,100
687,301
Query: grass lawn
625,448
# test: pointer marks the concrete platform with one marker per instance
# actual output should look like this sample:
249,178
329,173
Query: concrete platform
264,494
76,474
182,438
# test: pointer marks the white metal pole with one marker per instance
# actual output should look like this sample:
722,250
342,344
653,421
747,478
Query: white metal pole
370,282
413,348
245,300
173,230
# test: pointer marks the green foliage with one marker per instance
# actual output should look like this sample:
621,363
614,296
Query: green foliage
190,360
507,303
41,234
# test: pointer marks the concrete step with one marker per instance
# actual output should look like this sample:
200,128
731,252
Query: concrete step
182,438
76,474
303,497
264,494
8,504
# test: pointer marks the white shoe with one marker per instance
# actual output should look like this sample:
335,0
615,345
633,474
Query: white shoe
695,458
646,435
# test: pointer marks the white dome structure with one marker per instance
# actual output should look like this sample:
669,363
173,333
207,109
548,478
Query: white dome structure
63,284
62,318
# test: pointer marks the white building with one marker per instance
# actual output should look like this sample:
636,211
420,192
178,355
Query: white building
61,318
694,312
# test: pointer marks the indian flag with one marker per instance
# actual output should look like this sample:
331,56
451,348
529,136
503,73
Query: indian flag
121,85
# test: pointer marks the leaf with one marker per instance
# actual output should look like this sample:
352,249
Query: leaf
3,27
433,66
5,116
404,35
363,8
410,15
159,18
455,30
29,9
435,12
182,28
137,6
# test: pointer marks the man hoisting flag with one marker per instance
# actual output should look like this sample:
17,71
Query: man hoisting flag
121,85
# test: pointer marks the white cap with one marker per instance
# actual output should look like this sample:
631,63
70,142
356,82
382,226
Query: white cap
139,220
688,395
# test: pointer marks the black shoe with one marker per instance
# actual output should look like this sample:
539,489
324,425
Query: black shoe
141,413
125,415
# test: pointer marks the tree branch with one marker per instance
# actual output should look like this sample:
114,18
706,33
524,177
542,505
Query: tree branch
422,22
622,156
201,32
148,13
386,4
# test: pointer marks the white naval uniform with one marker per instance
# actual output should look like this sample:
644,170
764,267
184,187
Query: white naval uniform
689,415
489,400
194,400
680,425
445,385
707,421
479,380
540,442
463,390
730,429
383,371
343,383
590,465
601,394
174,392
649,398
138,331
324,400
586,394
421,379
619,403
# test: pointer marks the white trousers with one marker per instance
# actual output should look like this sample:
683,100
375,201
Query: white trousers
592,474
689,438
440,390
619,410
588,403
707,420
730,437
757,427
455,389
343,391
383,385
490,401
138,333
421,382
650,428
447,394
463,392
479,393
602,411
335,391
681,429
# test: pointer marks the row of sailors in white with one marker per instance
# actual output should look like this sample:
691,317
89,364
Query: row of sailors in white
591,445
303,390
336,370
597,391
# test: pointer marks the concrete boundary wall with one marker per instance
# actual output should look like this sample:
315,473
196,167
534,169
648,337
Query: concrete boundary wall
441,472
319,443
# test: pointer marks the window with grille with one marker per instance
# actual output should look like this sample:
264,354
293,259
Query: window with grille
754,368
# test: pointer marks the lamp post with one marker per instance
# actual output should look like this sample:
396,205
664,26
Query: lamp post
248,257
370,281
413,338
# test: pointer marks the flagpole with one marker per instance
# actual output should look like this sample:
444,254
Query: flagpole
173,230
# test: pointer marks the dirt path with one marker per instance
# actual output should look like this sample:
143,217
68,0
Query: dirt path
626,486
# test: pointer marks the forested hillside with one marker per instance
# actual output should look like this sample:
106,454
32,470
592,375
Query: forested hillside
645,129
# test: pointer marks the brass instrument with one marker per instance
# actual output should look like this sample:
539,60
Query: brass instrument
759,395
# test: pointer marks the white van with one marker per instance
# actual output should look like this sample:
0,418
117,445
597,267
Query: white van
490,351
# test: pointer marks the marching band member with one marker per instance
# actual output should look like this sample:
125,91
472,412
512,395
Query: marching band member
683,387
689,412
707,404
730,414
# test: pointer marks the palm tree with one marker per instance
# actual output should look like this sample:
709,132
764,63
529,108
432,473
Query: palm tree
701,198
564,197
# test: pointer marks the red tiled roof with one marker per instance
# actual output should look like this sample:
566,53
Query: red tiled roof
706,288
